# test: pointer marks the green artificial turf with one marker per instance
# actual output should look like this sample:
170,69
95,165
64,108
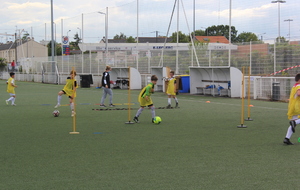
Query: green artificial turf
197,146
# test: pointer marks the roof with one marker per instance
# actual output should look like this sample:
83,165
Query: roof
12,45
153,39
141,40
212,39
6,46
115,41
294,42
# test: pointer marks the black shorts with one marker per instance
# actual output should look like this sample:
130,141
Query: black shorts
66,93
148,106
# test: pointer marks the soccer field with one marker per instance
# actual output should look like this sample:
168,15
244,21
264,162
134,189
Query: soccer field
197,146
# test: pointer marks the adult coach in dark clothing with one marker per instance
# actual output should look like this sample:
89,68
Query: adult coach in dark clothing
106,87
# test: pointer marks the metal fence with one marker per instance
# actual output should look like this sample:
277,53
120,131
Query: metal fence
263,59
269,88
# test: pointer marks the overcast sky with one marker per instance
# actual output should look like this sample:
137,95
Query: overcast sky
257,16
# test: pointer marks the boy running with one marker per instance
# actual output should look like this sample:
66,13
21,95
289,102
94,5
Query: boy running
293,110
171,90
69,90
11,89
145,99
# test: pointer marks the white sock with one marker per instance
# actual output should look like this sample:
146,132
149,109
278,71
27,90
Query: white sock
289,132
138,113
72,106
153,111
10,99
58,99
13,100
169,101
176,100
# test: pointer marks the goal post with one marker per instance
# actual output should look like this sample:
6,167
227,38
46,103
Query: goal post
50,72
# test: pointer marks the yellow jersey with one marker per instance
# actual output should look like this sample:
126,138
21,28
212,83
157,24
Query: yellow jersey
68,88
294,103
10,87
146,91
171,86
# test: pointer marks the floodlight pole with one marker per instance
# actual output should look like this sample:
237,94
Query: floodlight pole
62,34
82,28
106,33
137,34
278,2
52,42
68,33
52,36
194,8
177,40
229,51
289,20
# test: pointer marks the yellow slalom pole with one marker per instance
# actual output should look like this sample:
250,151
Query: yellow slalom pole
129,99
243,100
74,104
249,83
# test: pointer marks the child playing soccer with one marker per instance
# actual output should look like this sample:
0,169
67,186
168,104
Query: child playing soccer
145,99
293,110
69,90
11,89
171,90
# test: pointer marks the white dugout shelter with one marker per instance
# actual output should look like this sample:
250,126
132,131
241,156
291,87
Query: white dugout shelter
121,74
200,77
161,73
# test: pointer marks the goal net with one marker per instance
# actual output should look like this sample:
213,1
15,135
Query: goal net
50,72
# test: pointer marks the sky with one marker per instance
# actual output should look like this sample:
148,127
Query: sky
145,18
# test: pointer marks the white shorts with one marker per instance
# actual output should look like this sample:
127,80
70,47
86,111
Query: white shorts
11,94
295,117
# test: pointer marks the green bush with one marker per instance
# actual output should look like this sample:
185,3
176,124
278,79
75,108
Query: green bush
3,62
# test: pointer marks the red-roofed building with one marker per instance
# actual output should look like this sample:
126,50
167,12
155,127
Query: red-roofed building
212,39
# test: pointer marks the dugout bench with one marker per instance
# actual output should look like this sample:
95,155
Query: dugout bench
230,78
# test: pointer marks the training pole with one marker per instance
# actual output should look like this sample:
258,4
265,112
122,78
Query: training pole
129,99
248,94
243,100
74,104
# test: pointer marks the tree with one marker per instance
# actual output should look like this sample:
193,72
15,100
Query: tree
119,37
49,45
25,36
3,63
281,39
199,33
222,30
58,50
130,39
247,37
182,37
77,40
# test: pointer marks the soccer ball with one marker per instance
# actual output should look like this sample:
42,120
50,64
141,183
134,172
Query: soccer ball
55,113
157,120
